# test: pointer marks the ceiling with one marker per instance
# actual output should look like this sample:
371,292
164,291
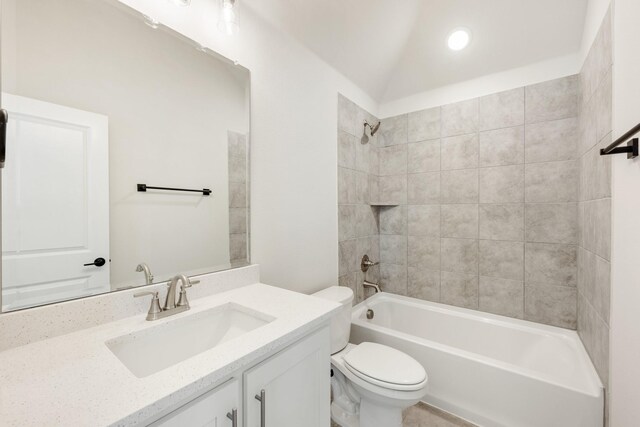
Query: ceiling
396,48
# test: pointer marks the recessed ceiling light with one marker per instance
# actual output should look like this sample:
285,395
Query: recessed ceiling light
181,2
459,39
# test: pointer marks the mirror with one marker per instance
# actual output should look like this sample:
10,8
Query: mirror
104,105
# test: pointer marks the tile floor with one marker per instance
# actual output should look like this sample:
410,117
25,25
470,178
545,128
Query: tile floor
422,415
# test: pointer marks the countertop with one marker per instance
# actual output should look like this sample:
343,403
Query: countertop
75,380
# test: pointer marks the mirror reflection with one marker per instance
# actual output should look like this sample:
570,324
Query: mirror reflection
106,131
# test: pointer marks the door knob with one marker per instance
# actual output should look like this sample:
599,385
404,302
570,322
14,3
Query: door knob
98,262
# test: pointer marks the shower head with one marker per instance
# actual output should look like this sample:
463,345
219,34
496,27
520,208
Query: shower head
372,129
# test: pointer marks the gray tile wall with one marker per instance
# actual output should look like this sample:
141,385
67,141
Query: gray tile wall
358,170
487,194
238,200
594,207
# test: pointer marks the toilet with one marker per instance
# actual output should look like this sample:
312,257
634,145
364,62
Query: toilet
371,383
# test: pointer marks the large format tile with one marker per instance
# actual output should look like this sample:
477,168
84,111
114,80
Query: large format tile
551,223
551,141
502,147
501,222
460,118
346,222
347,256
393,278
502,184
346,186
500,259
393,249
423,220
551,182
393,220
423,188
424,124
501,296
393,189
424,156
366,221
552,100
424,252
552,305
238,195
347,115
459,289
363,156
361,187
346,150
422,415
604,107
459,186
393,131
237,220
501,110
423,284
551,264
459,255
459,152
460,221
393,160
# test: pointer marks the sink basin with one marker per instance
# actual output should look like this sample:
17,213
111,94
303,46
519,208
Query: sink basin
151,350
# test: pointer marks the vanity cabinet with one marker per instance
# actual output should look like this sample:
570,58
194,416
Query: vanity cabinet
291,388
210,409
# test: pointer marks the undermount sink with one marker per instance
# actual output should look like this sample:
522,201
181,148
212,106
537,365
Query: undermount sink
151,350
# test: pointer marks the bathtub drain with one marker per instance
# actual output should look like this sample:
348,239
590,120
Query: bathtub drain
370,314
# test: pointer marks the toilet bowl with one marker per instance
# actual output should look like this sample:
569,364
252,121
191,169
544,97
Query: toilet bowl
371,383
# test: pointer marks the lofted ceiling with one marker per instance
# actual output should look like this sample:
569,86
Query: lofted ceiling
396,48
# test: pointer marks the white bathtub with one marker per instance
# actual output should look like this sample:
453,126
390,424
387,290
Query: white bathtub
490,370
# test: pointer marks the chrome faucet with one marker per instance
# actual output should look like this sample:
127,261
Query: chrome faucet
171,307
147,272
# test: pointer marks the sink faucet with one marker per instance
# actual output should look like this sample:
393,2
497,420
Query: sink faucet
170,306
147,272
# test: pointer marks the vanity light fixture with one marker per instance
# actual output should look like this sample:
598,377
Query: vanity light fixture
181,2
228,21
459,39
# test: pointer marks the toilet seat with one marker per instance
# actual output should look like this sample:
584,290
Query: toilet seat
385,367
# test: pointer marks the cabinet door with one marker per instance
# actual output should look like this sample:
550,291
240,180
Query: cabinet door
296,385
209,410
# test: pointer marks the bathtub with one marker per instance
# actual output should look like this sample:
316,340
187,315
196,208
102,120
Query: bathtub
491,370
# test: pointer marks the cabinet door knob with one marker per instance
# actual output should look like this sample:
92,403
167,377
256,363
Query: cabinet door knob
233,416
261,398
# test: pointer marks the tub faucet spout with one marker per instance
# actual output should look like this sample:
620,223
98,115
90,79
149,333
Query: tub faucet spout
374,286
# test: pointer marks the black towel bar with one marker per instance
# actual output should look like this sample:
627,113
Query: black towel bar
144,187
632,146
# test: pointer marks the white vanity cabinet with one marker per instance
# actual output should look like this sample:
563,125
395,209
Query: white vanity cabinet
210,409
291,388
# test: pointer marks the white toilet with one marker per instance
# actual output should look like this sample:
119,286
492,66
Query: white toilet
372,383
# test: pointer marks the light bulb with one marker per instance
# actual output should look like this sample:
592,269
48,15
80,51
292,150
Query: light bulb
228,21
459,39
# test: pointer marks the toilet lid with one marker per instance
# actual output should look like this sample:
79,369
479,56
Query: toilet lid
386,366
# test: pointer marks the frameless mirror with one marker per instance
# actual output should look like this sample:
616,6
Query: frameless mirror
126,153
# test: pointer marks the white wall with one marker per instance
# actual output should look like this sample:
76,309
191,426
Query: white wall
294,222
625,281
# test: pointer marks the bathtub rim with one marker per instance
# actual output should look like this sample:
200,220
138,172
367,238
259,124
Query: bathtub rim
595,389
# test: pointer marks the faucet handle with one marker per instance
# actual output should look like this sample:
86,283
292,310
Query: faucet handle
189,283
154,308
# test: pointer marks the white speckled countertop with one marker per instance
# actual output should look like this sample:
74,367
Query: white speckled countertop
75,380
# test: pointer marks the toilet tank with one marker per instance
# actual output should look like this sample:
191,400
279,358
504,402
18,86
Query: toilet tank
341,321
